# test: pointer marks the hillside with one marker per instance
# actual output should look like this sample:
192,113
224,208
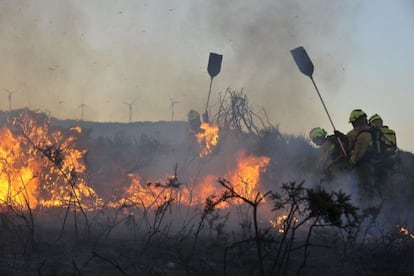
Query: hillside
114,194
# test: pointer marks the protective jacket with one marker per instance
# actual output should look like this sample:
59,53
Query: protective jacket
331,155
361,145
390,139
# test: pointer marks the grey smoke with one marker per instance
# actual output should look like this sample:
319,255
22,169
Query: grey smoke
107,52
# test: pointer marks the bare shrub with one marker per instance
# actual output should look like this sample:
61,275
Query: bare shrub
305,210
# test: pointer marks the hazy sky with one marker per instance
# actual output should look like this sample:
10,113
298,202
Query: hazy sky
56,55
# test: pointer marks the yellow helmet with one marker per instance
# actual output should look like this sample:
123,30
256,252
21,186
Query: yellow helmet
374,118
355,114
317,132
192,115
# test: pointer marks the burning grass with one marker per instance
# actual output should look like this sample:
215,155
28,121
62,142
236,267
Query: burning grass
39,167
213,214
46,168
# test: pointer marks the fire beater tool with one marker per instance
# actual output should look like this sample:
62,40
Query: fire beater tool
305,65
213,68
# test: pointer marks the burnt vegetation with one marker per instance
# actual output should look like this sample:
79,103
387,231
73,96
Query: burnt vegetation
108,221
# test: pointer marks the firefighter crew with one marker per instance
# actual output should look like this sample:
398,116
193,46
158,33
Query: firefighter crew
360,149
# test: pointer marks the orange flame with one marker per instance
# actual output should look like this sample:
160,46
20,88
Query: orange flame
42,168
208,138
405,231
279,223
17,179
154,194
246,176
146,196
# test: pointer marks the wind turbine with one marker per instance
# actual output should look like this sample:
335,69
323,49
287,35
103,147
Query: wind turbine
173,102
82,107
10,97
130,109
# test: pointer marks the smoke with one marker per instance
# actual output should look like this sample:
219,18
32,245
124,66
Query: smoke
103,54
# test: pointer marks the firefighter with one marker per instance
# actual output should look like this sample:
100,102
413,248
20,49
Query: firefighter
318,137
194,121
389,135
389,157
330,160
360,140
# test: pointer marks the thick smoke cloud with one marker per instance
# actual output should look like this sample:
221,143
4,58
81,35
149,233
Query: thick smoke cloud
57,56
